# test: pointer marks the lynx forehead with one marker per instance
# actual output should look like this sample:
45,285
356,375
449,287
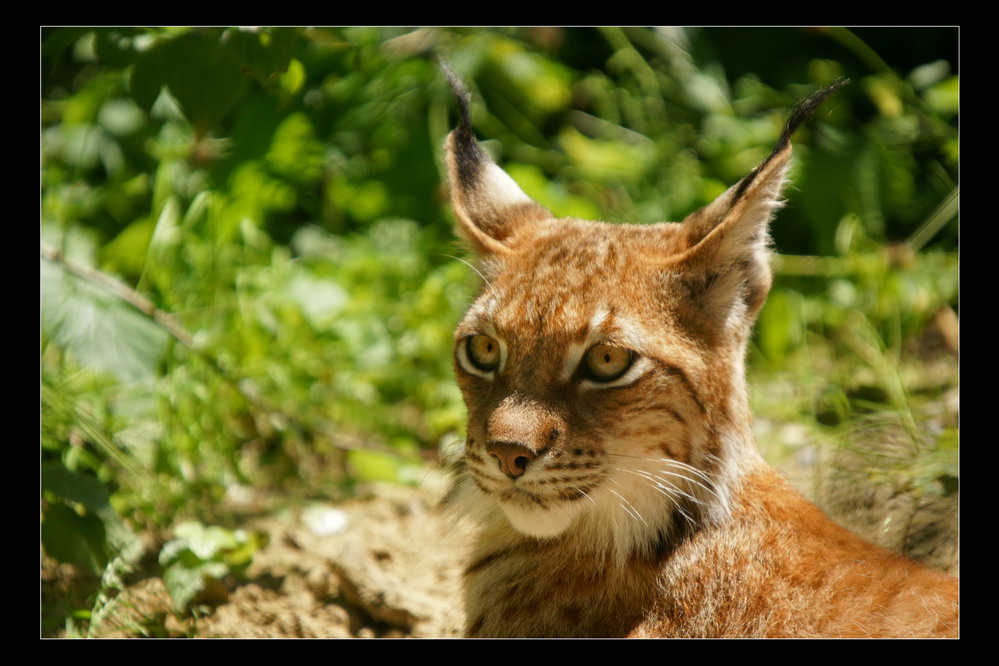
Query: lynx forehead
610,462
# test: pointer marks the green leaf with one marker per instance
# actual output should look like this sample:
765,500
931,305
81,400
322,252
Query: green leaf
295,153
206,542
127,252
201,73
945,97
265,51
75,487
202,552
98,328
69,537
183,584
116,47
292,81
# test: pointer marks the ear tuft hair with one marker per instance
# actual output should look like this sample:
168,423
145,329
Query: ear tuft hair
469,157
491,210
801,113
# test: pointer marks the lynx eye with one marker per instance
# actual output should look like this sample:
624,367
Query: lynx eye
483,352
606,363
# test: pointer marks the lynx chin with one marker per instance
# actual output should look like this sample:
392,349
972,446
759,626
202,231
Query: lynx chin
611,467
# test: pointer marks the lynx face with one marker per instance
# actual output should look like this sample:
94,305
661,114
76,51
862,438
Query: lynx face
580,384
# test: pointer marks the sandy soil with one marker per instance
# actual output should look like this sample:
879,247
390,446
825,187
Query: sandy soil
381,567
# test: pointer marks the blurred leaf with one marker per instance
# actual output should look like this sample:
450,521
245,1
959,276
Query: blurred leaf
184,583
201,73
373,466
541,81
318,299
117,47
945,96
78,539
291,81
929,74
295,153
266,51
205,542
552,194
98,328
778,329
199,554
127,252
606,160
75,487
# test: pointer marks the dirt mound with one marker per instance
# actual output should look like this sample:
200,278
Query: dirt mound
384,566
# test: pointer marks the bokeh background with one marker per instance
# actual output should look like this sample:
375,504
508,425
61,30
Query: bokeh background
249,281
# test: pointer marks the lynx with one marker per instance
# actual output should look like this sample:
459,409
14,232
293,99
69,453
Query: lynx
610,461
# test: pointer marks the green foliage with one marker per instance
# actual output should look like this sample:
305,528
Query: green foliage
74,525
198,555
273,197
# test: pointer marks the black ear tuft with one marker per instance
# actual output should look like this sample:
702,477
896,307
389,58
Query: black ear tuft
468,156
801,113
461,95
489,207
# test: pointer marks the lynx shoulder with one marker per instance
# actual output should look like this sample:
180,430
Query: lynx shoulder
610,463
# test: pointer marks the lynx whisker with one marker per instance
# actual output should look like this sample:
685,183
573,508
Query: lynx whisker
684,467
629,509
585,494
695,482
677,463
489,286
671,492
451,454
664,485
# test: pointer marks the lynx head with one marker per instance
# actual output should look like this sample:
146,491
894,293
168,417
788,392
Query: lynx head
602,364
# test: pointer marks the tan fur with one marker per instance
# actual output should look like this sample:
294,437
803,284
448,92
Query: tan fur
639,506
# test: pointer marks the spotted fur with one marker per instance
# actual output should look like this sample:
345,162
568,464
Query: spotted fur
634,502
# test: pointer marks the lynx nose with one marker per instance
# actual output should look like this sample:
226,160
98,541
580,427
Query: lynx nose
513,457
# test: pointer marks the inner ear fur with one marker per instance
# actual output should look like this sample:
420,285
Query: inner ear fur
490,208
726,266
735,225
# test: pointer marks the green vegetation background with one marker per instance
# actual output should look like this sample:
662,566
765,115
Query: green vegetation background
249,281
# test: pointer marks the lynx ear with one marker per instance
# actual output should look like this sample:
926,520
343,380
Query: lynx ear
491,210
727,263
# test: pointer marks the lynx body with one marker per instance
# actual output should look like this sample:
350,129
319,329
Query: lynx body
610,460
